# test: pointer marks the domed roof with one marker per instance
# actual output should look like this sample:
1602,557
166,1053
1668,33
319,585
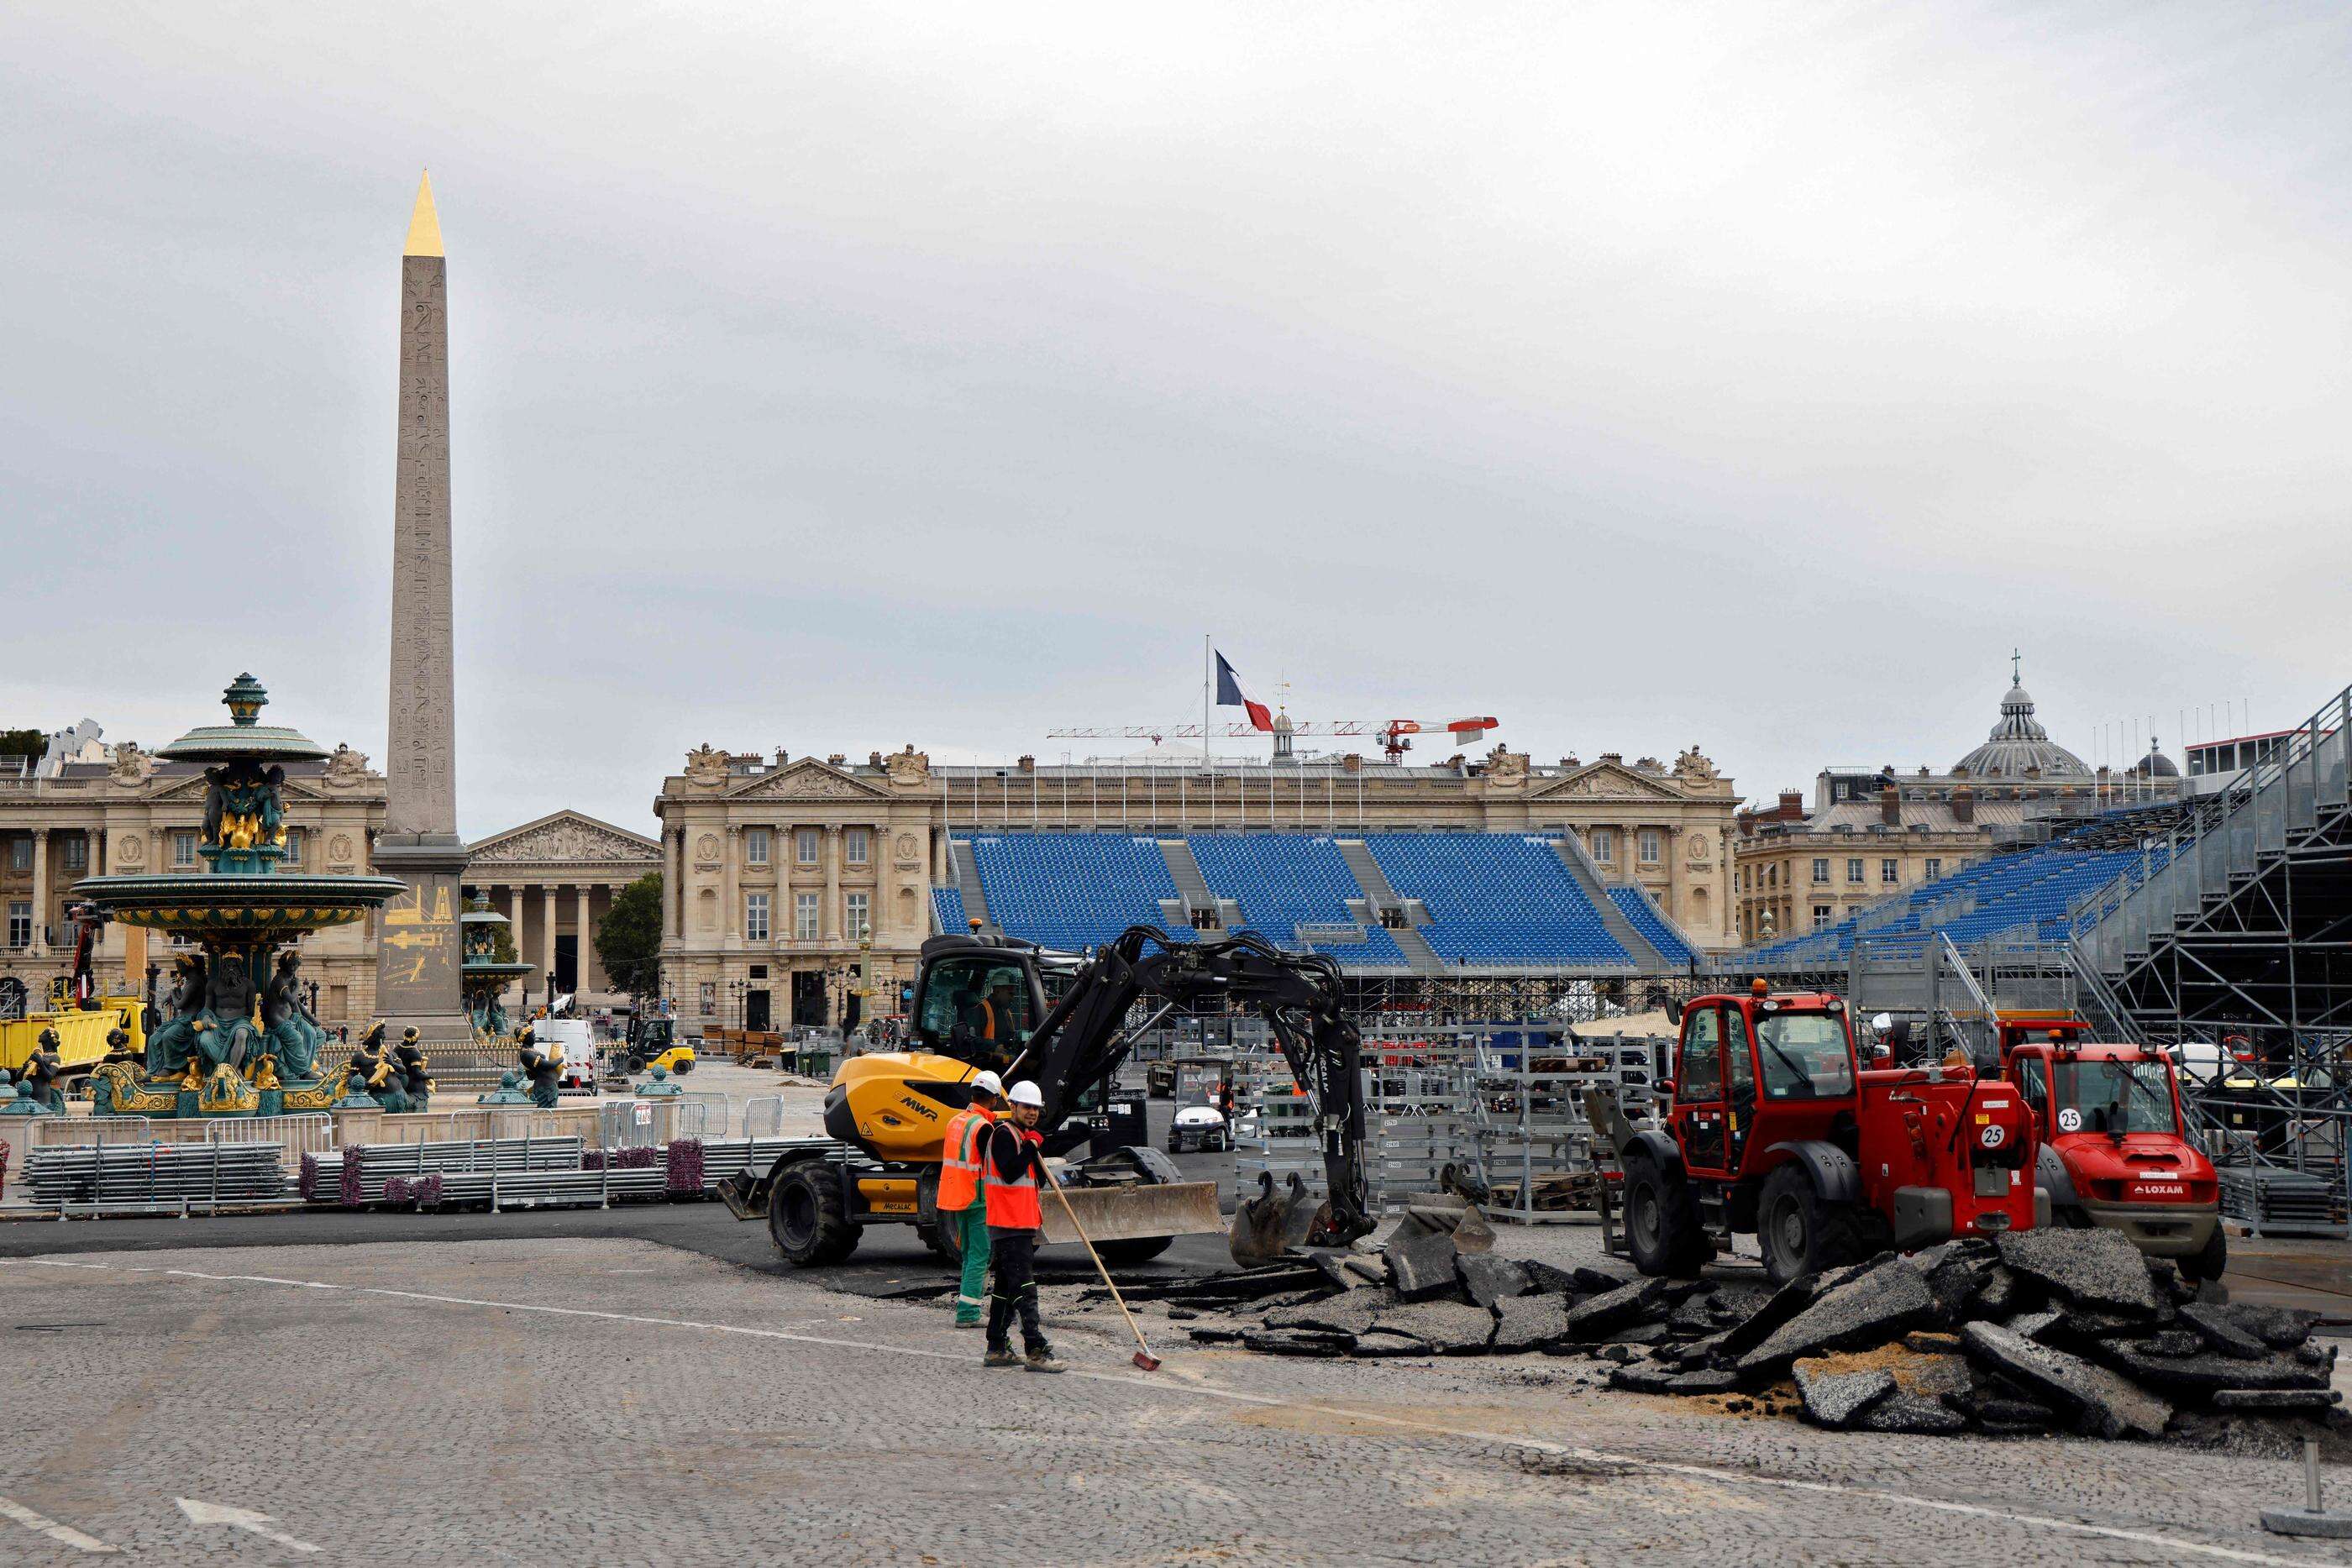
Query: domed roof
2156,764
2018,743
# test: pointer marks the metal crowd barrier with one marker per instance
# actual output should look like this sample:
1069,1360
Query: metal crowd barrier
763,1116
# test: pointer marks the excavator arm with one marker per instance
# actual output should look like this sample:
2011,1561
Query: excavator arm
1082,1041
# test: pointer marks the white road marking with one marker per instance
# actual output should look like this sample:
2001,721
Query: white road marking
246,1519
1158,1385
10,1509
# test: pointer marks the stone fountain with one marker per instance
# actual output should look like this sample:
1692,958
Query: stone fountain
481,974
236,1039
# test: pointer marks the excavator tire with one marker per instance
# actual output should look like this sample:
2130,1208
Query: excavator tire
1661,1228
806,1219
1798,1231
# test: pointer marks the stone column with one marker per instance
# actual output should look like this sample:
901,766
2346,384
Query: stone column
416,985
730,880
673,892
547,945
40,893
586,955
831,925
98,847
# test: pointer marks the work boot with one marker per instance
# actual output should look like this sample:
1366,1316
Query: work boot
1000,1358
1042,1361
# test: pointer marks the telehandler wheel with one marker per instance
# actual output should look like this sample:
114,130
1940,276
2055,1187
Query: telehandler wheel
1800,1232
1135,1250
2212,1260
805,1217
1661,1229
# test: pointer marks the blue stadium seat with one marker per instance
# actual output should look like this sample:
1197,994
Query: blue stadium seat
1282,881
1072,890
1496,899
1643,915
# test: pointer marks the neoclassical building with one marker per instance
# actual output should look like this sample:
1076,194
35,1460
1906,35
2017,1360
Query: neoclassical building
134,813
790,882
1868,833
554,879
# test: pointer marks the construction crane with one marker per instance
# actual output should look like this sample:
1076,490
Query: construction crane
1393,734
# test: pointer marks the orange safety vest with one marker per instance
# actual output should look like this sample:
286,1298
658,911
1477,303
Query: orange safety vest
959,1159
1012,1205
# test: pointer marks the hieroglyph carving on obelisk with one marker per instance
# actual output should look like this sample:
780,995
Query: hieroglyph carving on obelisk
417,951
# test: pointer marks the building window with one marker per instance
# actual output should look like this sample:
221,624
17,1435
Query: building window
804,845
755,846
755,917
1771,877
710,993
1604,844
1820,916
184,848
860,921
1935,868
294,843
804,912
1890,870
20,854
1820,868
78,855
1854,869
1651,842
20,924
857,844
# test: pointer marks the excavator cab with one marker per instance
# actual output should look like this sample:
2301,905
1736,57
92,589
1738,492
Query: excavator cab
977,1003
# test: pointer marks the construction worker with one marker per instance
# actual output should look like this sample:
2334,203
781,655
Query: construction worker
959,1204
1010,1179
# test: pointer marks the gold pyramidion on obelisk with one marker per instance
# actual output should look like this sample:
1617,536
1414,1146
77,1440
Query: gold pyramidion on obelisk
424,223
417,950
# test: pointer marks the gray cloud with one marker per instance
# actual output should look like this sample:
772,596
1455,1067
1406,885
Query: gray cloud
833,378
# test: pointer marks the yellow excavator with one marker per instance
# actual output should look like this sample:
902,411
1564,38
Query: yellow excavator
984,1005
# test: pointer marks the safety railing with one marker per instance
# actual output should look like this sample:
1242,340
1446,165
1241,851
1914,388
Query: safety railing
763,1116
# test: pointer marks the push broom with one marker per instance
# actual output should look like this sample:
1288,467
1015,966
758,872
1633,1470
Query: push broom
1143,1356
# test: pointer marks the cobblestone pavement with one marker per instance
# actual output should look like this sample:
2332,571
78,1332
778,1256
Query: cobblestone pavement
608,1400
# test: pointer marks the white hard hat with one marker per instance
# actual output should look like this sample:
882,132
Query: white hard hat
987,1083
1025,1093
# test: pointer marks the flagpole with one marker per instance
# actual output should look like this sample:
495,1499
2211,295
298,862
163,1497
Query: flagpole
1207,696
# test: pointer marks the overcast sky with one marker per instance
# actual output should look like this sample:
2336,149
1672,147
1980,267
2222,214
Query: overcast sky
836,377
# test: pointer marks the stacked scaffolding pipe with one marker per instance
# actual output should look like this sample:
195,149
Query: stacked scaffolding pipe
153,1176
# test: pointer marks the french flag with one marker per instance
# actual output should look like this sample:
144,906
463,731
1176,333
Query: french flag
1230,695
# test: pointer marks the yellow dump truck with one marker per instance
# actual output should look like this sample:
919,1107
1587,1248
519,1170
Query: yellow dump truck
82,1036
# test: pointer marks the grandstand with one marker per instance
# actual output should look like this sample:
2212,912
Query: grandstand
1396,903
2021,899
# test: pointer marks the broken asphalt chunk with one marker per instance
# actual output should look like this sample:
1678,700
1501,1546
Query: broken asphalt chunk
2099,1402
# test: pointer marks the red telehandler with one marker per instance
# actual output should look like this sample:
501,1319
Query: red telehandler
1770,1125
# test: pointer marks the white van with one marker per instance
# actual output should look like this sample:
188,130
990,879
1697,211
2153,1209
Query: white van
579,1043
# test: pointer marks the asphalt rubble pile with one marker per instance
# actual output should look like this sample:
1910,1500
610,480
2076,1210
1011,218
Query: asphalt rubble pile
2036,1331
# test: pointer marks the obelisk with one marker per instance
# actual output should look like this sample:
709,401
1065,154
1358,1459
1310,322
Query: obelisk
417,946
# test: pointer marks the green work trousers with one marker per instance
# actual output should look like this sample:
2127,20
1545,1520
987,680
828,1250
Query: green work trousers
972,1231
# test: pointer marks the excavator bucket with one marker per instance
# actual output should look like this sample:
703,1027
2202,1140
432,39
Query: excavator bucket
1131,1213
1266,1227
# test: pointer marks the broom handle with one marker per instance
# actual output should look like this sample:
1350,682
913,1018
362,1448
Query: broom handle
1055,1182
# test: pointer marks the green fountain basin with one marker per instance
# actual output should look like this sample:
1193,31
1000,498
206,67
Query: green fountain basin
238,905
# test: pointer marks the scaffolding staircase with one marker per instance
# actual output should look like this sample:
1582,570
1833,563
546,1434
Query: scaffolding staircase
1646,958
1193,895
967,877
1380,899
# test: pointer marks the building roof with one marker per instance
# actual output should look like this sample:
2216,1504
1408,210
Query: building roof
2019,747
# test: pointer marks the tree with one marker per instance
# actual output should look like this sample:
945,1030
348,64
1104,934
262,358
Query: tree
23,743
629,939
